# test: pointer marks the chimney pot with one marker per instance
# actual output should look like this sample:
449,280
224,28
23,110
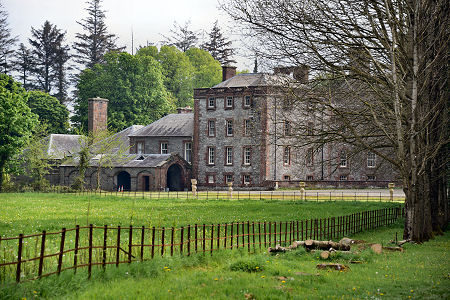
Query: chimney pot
228,72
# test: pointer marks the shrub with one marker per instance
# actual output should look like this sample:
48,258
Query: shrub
246,266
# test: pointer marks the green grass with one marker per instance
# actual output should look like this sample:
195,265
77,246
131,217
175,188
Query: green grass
421,272
31,212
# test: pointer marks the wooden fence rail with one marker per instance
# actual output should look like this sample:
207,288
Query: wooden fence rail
87,246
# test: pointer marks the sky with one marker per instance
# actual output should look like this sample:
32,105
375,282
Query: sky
149,20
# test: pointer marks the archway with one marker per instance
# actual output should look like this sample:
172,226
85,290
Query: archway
174,179
124,180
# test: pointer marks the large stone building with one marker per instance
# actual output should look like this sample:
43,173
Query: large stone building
239,132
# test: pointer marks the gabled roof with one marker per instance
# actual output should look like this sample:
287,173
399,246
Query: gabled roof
170,125
62,145
123,135
250,79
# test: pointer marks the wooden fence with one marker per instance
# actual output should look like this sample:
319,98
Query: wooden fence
38,255
292,195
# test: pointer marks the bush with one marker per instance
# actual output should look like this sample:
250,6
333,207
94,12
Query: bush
246,266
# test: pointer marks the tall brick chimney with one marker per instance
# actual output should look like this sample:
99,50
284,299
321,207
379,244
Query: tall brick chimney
97,114
299,73
228,72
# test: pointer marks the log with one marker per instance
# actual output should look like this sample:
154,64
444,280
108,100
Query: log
324,255
377,248
393,248
311,245
333,266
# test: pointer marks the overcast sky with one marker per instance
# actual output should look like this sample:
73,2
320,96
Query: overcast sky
148,19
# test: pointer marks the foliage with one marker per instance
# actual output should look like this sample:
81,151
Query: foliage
52,113
17,122
95,42
49,58
6,42
182,37
246,266
219,47
23,64
132,84
208,71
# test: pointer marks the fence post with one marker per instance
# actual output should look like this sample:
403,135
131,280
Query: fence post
105,233
153,241
218,236
248,235
204,238
171,241
243,234
162,240
253,234
286,232
189,240
91,228
270,233
212,238
226,236
259,235
231,233
118,247
41,258
275,232
196,237
181,240
142,242
19,258
130,242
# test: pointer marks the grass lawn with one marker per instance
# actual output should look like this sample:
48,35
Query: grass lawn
420,272
31,212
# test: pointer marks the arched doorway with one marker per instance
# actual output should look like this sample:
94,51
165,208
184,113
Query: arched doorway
124,180
174,179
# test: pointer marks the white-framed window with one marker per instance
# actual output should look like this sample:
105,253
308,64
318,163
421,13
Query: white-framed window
228,178
229,155
310,157
287,177
210,178
211,156
229,128
370,177
188,152
211,102
287,155
247,101
211,128
140,147
343,177
229,102
287,127
247,126
343,163
371,160
164,148
246,179
247,155
309,177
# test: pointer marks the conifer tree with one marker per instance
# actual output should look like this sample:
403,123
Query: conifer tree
6,42
23,64
182,37
219,46
95,41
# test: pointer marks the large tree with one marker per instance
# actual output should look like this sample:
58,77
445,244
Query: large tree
133,85
49,58
381,83
207,70
182,37
23,64
50,111
17,123
6,42
219,46
95,41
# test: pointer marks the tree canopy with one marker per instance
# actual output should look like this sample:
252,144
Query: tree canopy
182,37
219,47
50,111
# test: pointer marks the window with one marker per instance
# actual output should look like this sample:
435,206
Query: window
211,128
310,177
229,155
287,155
287,127
370,177
246,179
211,155
211,103
310,157
343,177
228,178
247,126
343,159
229,102
164,148
287,177
371,160
211,179
188,151
140,147
247,155
229,128
247,101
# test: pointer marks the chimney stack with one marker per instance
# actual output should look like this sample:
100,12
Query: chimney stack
228,72
184,110
97,114
299,73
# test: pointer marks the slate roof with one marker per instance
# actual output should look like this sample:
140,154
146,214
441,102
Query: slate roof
62,145
251,79
132,161
123,135
170,125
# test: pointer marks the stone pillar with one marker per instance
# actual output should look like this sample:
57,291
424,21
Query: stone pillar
194,187
391,186
302,190
276,185
97,114
230,190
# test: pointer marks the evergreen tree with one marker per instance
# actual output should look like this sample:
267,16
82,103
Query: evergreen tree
182,37
95,41
23,64
6,42
219,46
49,56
